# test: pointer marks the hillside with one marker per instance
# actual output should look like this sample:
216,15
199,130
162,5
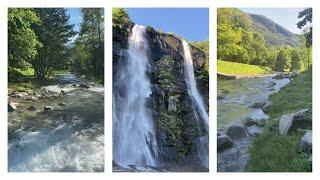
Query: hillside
274,34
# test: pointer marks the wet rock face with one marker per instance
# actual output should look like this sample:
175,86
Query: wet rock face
176,125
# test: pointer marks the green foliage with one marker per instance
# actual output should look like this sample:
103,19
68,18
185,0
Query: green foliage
54,33
22,40
234,68
296,63
306,14
120,16
270,153
283,62
202,45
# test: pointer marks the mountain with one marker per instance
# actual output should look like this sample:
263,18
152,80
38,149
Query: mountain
274,33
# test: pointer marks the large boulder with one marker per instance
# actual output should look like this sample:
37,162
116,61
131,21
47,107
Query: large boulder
266,107
293,121
223,142
12,106
306,142
258,105
237,131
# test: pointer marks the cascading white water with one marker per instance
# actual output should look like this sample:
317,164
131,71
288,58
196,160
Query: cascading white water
192,85
133,129
197,103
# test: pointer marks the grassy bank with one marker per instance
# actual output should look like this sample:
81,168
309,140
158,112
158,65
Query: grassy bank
269,153
234,68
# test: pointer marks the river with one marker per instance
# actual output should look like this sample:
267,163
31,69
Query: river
58,128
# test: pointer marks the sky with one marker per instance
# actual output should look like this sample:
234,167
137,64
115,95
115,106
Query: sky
189,23
286,17
75,17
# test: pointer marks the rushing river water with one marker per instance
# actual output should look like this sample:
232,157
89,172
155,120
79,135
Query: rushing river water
69,137
235,97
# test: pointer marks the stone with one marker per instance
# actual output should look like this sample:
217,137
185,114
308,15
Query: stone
19,94
74,85
306,142
173,102
82,85
249,121
223,142
12,106
293,121
266,107
278,76
237,131
31,98
62,104
47,108
258,105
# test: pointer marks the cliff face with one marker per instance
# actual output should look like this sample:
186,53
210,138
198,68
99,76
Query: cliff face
176,125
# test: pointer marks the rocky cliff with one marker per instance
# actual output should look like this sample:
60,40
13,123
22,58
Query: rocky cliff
176,127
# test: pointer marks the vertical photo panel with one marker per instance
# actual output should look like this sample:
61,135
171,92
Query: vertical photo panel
264,89
55,90
160,90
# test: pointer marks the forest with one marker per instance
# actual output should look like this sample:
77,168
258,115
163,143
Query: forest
43,42
240,40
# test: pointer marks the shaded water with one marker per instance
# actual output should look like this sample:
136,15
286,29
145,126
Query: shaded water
70,137
134,139
236,96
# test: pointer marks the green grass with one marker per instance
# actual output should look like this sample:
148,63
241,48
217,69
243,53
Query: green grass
234,68
270,153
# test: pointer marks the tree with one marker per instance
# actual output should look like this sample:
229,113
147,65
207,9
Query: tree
92,35
306,14
283,62
54,33
296,62
22,40
120,16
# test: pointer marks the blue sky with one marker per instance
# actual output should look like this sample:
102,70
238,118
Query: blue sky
75,17
189,23
286,17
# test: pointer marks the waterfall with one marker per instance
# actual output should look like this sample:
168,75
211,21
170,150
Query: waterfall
197,102
134,136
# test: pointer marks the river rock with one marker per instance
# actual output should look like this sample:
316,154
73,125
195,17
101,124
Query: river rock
306,142
47,108
173,102
293,121
12,106
223,142
31,98
237,131
249,121
278,76
63,92
267,106
258,104
62,104
19,94
82,85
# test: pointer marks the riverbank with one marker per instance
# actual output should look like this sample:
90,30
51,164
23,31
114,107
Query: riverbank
270,152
